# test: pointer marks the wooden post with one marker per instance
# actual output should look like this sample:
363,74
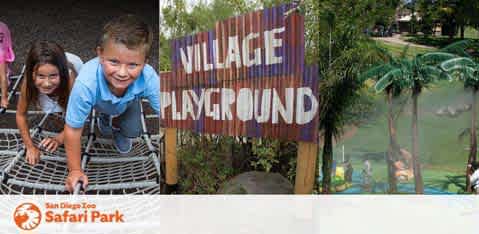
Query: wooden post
170,158
305,167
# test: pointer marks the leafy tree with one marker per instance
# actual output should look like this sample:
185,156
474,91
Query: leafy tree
346,52
454,14
468,71
165,63
337,93
174,23
465,13
420,72
388,82
430,15
414,74
177,21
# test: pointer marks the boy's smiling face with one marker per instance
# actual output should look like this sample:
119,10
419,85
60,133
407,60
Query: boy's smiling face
121,66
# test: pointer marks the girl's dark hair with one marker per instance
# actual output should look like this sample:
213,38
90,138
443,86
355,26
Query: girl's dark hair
45,52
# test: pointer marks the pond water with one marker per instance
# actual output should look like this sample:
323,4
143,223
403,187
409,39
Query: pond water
381,188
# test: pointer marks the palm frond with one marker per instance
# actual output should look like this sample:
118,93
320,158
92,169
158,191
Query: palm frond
434,58
457,63
432,73
464,72
374,72
466,68
458,48
387,79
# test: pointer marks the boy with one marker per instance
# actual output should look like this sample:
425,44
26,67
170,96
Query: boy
112,84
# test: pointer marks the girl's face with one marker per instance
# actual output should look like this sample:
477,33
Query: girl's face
46,78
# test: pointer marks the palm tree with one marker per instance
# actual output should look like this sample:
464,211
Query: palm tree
385,81
415,74
421,71
468,71
338,92
347,52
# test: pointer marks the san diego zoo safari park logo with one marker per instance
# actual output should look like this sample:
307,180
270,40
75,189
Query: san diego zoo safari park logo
27,216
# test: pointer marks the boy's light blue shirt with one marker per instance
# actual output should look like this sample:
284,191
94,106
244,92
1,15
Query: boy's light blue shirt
90,90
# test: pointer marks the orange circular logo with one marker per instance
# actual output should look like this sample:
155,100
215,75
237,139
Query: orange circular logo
27,216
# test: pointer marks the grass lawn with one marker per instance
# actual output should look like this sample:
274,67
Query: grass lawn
441,41
470,32
442,154
396,49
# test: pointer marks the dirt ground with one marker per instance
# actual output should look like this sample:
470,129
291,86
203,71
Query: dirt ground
76,25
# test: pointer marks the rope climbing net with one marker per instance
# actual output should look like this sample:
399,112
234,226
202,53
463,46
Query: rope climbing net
109,172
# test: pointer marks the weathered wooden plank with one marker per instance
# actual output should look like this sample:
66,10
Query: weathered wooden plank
171,160
305,167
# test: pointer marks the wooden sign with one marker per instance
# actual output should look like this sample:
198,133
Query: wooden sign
244,78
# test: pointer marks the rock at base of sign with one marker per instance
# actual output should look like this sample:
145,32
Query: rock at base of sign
255,182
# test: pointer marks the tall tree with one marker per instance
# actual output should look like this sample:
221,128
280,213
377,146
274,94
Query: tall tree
179,20
430,15
338,92
454,14
421,71
346,52
467,70
415,74
387,81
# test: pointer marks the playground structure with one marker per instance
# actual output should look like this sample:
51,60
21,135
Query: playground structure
138,172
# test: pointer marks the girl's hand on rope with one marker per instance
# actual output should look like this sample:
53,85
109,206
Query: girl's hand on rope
33,155
73,177
50,144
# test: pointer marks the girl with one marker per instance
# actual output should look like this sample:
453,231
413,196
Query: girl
6,57
47,84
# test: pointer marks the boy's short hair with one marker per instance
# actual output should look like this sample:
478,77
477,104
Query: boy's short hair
129,30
